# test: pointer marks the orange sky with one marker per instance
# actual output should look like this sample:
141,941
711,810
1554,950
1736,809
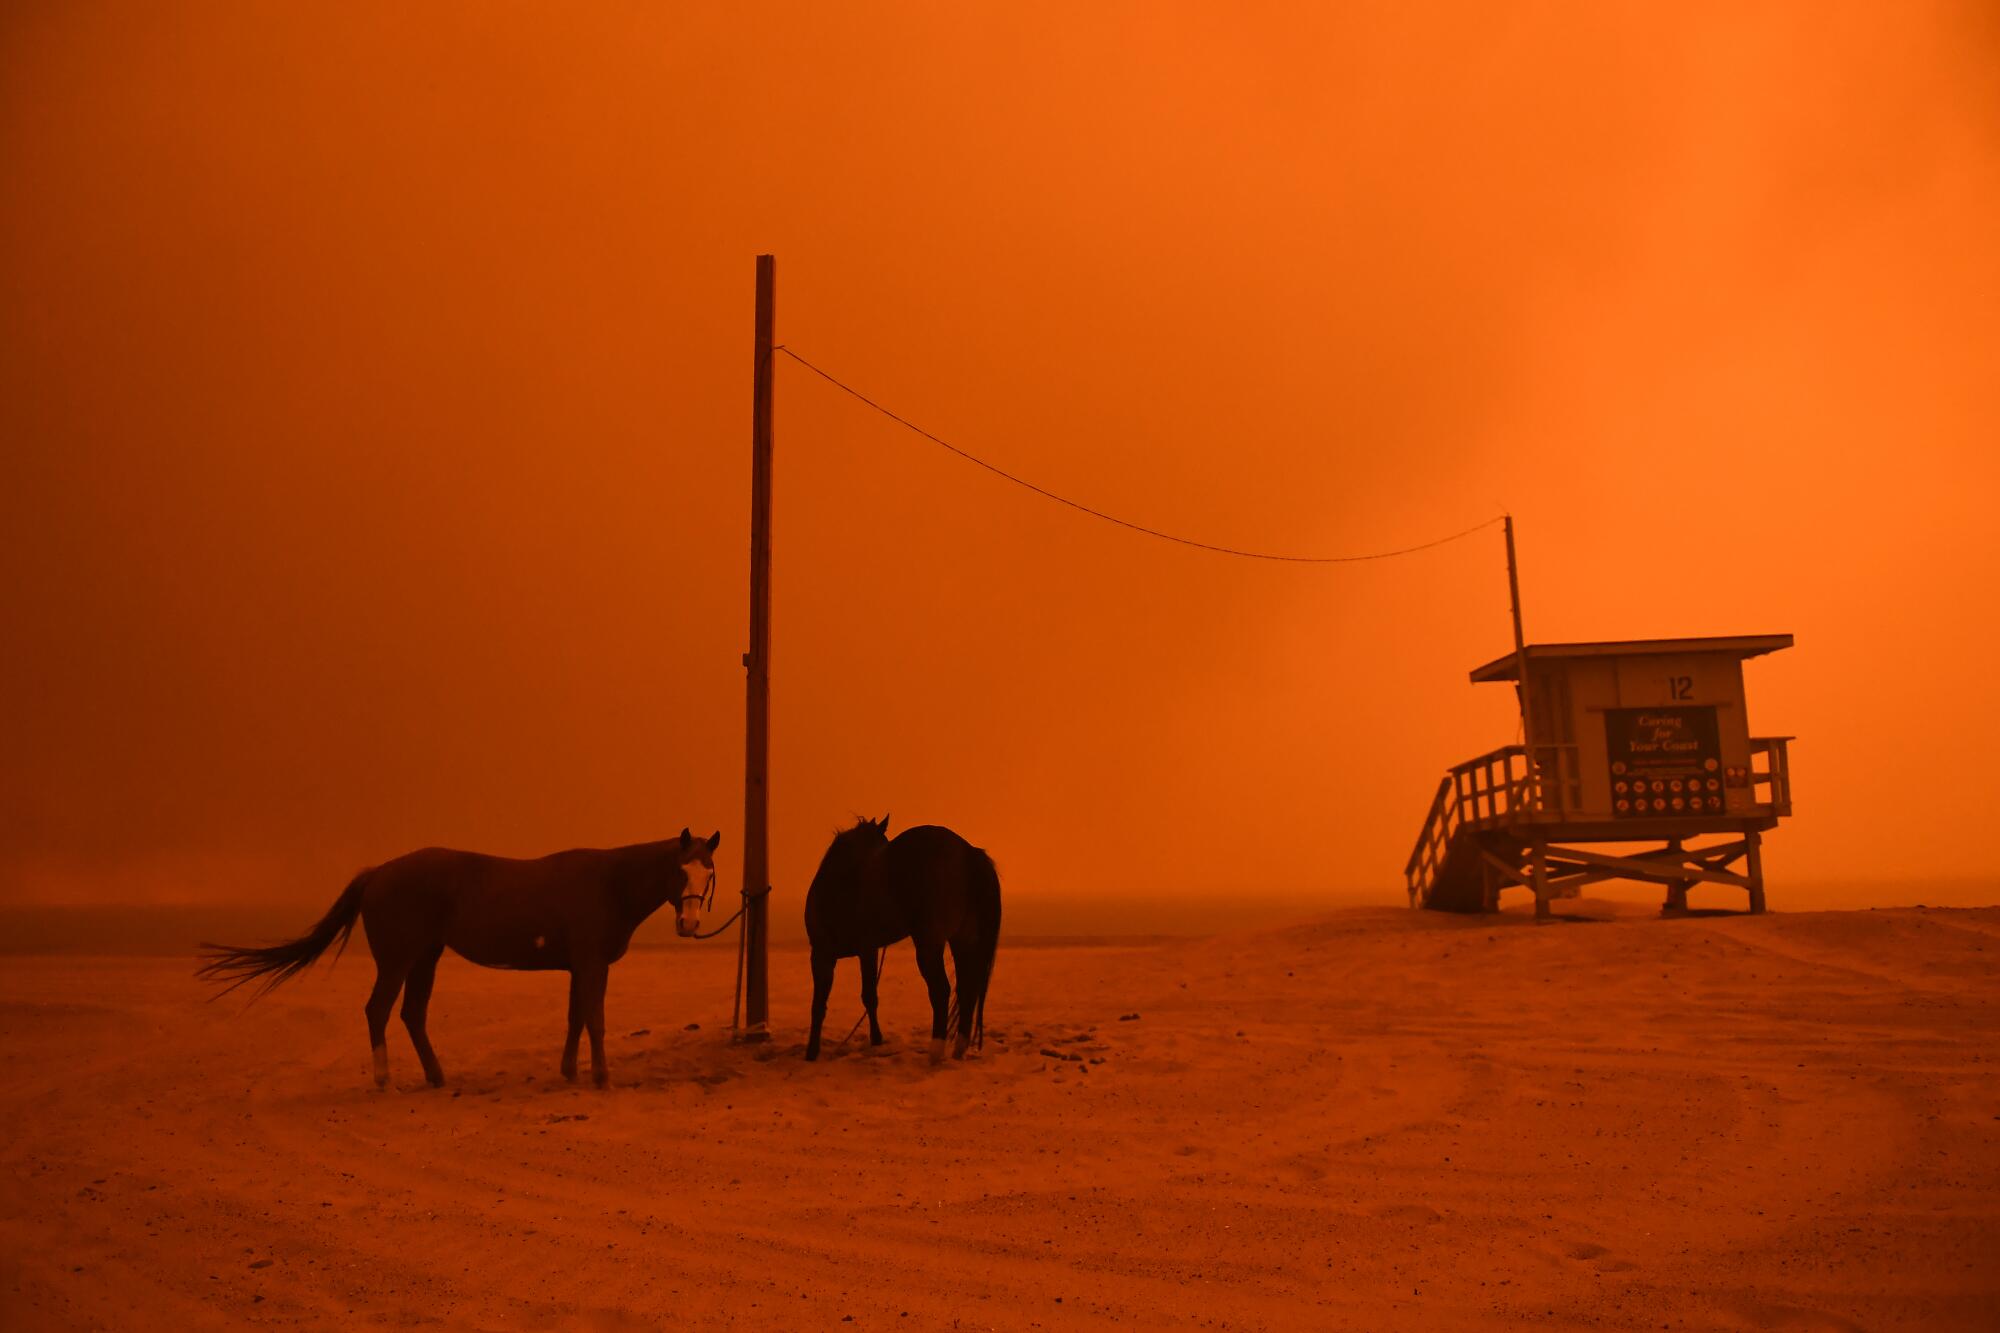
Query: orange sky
375,390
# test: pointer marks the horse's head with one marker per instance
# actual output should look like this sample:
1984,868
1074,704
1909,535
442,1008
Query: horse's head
849,854
697,867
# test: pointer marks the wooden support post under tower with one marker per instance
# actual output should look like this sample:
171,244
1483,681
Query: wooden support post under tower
1753,843
1538,876
757,726
1677,892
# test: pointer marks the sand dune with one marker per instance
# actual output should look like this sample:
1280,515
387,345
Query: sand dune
1373,1120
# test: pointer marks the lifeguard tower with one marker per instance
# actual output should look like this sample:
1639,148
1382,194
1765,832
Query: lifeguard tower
1645,741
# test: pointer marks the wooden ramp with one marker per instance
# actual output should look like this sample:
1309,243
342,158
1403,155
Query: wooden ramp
1498,822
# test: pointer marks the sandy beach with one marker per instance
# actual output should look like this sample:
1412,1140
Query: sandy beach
1376,1119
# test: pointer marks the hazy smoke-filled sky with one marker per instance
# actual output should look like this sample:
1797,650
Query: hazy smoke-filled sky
375,397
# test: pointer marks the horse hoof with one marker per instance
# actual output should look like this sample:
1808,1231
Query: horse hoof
937,1051
958,1048
875,1040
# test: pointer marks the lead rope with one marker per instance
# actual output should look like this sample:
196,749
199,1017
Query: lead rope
708,896
711,934
881,964
742,947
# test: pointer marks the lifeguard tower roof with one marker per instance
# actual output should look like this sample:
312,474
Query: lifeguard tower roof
1739,646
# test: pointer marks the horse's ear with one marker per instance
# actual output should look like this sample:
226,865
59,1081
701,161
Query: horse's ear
714,841
687,839
885,825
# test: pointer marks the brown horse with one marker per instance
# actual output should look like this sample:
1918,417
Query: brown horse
574,911
928,885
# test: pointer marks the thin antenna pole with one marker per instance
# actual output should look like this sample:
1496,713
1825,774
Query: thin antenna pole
757,724
1520,651
1514,585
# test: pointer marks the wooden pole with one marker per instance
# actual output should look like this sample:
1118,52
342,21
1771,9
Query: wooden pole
1677,891
1753,843
757,726
1521,658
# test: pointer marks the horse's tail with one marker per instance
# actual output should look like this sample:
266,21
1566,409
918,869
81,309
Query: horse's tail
986,895
282,962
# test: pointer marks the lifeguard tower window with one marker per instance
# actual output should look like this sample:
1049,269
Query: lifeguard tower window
1644,740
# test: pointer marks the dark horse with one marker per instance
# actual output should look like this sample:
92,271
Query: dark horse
927,884
573,911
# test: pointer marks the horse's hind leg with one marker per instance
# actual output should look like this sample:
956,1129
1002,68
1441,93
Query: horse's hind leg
870,960
389,974
965,962
930,962
416,1011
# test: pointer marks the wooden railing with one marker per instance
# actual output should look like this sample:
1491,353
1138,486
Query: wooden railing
1491,788
1495,784
1772,784
1428,855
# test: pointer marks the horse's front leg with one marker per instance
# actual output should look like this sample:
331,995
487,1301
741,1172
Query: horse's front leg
594,982
822,965
575,1025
